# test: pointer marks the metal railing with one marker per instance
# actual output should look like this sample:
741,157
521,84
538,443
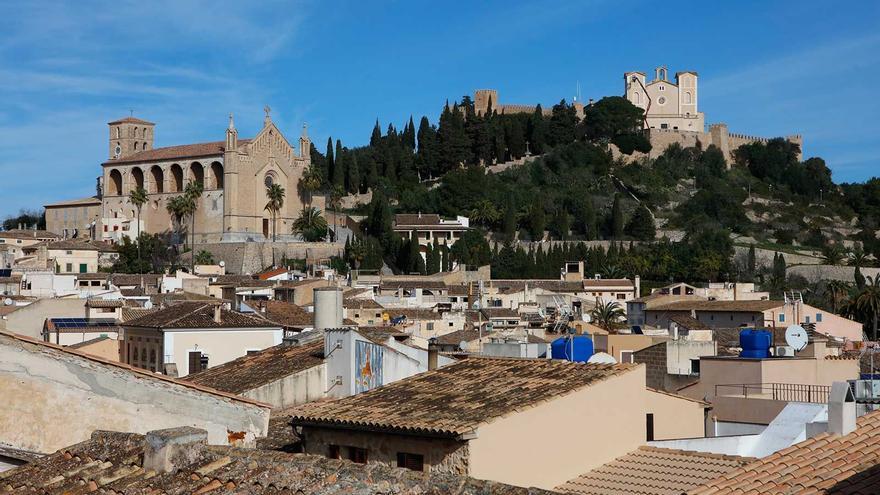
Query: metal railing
788,392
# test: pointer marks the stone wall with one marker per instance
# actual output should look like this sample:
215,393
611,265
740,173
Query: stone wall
440,455
306,386
656,367
253,257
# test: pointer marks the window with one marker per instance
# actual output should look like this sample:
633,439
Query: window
430,326
649,427
68,267
68,252
807,319
695,366
334,452
251,352
626,356
414,462
818,317
687,98
357,455
83,268
782,318
664,126
621,296
197,362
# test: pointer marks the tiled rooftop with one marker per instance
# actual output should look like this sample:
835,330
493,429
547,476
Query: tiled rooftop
826,463
198,315
730,306
286,314
28,234
653,471
113,463
249,372
416,219
458,398
215,148
126,279
688,322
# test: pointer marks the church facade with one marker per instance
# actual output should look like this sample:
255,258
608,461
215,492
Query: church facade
235,174
667,104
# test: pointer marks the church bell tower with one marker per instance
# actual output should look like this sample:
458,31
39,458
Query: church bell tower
129,136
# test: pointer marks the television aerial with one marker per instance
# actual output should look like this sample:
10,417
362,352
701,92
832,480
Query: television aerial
796,337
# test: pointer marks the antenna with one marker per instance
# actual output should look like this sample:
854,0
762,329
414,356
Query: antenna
796,337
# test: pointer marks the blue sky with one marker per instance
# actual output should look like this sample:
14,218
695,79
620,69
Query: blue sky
68,68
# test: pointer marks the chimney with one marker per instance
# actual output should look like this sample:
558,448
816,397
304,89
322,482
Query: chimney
217,314
174,448
433,354
638,288
841,409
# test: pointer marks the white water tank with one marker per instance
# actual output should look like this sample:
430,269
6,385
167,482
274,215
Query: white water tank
328,308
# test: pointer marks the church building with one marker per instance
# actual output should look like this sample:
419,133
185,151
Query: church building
668,105
235,174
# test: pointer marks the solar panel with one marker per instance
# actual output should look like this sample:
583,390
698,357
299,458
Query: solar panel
82,322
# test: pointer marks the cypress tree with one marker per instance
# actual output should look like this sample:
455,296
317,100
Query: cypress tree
338,178
409,135
616,218
537,221
376,136
537,131
641,225
353,179
427,149
751,262
589,226
331,161
509,222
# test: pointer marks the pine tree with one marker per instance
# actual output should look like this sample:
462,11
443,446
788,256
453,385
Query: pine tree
454,143
616,218
514,137
338,177
641,225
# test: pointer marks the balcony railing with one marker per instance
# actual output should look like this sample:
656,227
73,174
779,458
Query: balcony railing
788,392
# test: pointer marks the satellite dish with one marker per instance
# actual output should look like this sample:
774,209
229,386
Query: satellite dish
463,345
796,337
148,305
222,263
602,358
7,301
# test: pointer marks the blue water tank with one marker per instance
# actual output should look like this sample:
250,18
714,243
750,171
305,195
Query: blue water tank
755,343
577,348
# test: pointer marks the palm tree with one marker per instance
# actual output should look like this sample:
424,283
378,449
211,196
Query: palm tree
310,182
608,315
192,193
836,288
177,208
868,301
138,198
311,225
335,204
858,256
485,213
275,193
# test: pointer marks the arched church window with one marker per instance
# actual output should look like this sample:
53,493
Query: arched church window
118,133
268,181
687,97
638,97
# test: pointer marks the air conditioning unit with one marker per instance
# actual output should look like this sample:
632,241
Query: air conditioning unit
783,351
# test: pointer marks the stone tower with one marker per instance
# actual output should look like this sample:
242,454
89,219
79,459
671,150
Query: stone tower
482,98
129,136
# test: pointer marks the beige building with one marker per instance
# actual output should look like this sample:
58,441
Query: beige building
14,241
430,227
235,174
72,256
193,336
77,218
527,422
667,104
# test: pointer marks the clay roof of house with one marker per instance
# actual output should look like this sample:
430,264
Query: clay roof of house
351,303
608,282
126,279
105,303
5,310
93,276
826,463
414,313
86,343
729,306
73,245
197,150
198,315
12,279
231,279
112,462
512,286
500,313
131,120
457,290
249,372
266,275
679,396
456,399
91,200
411,284
416,219
285,313
132,313
653,471
49,348
689,323
28,234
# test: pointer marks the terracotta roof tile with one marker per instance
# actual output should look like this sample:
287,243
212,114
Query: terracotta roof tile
456,399
249,372
823,464
91,200
286,314
402,219
197,150
730,306
131,120
197,315
28,234
653,471
113,463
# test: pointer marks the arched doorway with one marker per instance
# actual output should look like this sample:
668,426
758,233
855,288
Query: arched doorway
157,180
115,183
